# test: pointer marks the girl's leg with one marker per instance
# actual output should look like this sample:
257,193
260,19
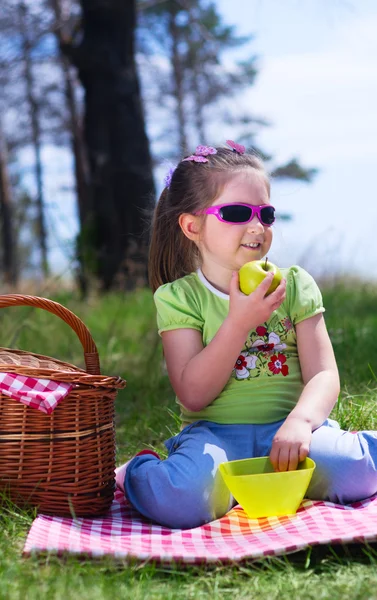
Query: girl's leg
346,462
186,490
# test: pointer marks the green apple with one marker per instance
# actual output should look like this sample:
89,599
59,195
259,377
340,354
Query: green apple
252,274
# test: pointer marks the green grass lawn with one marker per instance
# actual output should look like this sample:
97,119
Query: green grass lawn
123,327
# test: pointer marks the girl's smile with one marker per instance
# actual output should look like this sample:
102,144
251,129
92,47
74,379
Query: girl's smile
252,245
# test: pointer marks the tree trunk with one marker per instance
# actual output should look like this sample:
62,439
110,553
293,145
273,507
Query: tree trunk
195,29
198,104
122,190
77,145
177,78
7,238
36,137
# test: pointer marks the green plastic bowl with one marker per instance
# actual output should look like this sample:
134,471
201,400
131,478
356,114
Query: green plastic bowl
261,491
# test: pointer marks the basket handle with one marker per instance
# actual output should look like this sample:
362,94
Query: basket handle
90,349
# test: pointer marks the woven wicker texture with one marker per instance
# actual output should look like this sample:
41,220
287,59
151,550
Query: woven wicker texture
62,463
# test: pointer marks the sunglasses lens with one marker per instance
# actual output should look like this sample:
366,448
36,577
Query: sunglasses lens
267,215
235,213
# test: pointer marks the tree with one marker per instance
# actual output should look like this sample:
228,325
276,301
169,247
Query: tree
34,109
78,148
114,235
39,103
9,262
193,37
30,114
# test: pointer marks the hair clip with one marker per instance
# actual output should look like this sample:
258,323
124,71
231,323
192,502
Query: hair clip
205,150
196,158
168,176
239,148
200,154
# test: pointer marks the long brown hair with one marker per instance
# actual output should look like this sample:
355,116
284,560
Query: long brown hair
193,186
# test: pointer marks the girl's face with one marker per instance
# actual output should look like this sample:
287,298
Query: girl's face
225,247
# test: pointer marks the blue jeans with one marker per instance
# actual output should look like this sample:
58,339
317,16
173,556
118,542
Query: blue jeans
186,489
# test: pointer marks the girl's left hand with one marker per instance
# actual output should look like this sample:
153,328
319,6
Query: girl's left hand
290,444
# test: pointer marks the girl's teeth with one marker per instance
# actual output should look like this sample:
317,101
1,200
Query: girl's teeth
251,245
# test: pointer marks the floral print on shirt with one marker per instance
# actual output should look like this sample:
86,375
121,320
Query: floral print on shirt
243,365
276,365
264,351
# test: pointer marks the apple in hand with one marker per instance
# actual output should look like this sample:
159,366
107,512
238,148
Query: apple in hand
252,274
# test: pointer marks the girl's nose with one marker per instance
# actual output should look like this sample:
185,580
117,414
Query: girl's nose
255,226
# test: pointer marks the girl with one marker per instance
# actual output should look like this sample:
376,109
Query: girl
254,375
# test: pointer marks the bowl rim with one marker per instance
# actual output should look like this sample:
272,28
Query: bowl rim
222,466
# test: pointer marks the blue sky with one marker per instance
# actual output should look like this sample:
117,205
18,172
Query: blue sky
317,85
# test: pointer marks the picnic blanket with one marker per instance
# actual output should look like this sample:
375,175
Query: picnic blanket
124,534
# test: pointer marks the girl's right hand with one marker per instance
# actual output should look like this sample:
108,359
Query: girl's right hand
250,311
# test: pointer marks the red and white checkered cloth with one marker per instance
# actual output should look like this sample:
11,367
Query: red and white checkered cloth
123,533
43,394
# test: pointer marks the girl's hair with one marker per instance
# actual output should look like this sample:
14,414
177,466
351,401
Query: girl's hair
193,186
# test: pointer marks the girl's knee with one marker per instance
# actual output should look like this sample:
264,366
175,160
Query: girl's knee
345,470
163,492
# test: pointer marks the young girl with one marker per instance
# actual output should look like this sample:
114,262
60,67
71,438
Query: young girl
254,375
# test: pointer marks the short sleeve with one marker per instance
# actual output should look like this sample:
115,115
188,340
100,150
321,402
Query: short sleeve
177,308
303,295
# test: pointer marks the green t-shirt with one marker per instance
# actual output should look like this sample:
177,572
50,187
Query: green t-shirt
266,381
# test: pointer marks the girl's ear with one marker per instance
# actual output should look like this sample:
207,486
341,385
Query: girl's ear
190,226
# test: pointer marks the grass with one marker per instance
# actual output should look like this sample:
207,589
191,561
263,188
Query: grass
123,327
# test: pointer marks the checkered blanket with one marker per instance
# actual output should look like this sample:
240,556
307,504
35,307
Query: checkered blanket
43,394
123,533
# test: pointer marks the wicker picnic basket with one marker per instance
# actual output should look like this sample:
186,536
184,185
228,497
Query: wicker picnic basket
64,462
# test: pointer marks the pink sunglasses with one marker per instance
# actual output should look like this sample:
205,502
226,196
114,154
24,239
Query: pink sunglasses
241,213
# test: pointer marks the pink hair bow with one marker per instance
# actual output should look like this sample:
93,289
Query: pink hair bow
200,154
236,147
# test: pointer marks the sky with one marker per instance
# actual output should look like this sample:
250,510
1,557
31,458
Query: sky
317,86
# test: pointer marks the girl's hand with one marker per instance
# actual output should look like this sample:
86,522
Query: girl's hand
250,311
290,444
